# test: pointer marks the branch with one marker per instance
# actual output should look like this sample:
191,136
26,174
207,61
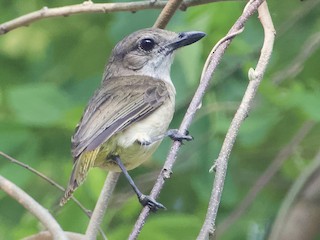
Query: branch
266,176
193,107
45,235
53,183
90,7
167,13
33,207
255,77
101,206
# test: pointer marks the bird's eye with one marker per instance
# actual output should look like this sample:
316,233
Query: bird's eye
147,44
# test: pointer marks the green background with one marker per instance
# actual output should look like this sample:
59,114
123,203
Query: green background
49,70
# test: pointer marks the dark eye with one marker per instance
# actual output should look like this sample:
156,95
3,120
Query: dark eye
147,44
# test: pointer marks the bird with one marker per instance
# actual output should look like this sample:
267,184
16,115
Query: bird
129,114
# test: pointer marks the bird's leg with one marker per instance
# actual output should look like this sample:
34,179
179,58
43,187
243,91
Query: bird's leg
145,200
173,134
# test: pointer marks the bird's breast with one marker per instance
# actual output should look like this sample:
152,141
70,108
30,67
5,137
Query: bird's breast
148,128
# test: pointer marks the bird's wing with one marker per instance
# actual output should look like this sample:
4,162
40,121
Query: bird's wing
114,106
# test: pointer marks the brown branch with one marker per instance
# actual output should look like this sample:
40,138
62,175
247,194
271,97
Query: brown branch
167,13
90,7
193,107
33,207
255,77
266,176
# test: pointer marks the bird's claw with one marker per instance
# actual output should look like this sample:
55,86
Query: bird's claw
175,135
146,200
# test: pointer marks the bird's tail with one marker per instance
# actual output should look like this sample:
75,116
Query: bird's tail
79,173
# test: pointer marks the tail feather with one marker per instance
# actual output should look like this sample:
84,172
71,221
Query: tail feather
79,173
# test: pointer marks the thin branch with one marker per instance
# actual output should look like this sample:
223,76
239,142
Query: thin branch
45,235
255,77
193,107
191,3
222,40
265,178
53,183
33,207
101,206
90,7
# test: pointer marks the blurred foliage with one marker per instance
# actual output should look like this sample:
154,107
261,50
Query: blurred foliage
49,70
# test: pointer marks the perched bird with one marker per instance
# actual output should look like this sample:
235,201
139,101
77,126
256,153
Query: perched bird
129,114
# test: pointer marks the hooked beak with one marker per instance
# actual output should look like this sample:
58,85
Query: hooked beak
184,39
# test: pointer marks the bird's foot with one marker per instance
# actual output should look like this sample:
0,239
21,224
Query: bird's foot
146,200
175,135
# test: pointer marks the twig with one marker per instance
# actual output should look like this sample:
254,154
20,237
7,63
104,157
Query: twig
45,235
255,77
266,176
167,13
191,3
90,7
15,161
222,40
193,107
33,207
101,206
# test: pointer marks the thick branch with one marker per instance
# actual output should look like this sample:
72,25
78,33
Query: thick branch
255,77
33,207
90,7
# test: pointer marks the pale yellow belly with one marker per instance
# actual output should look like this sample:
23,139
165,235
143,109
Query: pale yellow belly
126,144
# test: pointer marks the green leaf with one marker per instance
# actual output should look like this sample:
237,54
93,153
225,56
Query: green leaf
38,104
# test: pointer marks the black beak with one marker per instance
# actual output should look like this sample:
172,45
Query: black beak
186,38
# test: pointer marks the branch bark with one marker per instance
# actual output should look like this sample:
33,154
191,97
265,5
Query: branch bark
33,207
255,78
90,7
167,13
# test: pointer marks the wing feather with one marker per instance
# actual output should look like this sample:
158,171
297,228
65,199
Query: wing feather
115,105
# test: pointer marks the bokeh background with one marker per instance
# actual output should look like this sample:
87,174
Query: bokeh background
49,70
